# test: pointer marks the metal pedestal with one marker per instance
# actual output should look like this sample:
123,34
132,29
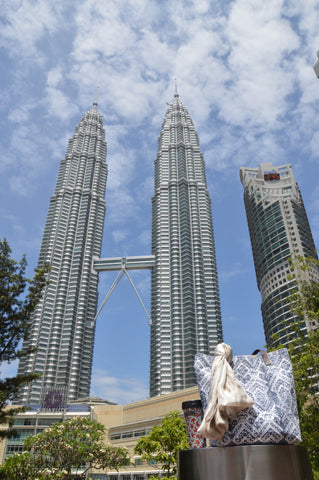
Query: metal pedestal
249,462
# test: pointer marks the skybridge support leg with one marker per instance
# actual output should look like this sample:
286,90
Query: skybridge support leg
137,294
109,293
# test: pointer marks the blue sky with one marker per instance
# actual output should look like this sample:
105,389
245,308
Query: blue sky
244,71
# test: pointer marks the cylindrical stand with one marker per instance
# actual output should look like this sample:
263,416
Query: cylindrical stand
249,462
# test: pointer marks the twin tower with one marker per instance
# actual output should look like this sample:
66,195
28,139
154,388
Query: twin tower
185,304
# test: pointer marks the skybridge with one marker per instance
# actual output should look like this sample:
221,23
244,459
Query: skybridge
122,265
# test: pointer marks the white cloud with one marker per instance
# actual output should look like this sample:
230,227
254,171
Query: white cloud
20,115
124,56
201,6
59,105
260,39
307,14
54,77
152,48
111,34
26,154
119,390
235,151
25,23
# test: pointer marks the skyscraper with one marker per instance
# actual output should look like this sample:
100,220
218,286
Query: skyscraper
185,304
62,327
279,228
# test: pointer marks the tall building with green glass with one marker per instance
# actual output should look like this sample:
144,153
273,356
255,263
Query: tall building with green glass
279,229
185,303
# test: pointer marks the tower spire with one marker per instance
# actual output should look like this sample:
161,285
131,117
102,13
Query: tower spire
176,92
96,94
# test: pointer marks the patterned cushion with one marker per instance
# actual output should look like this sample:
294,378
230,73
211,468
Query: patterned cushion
274,417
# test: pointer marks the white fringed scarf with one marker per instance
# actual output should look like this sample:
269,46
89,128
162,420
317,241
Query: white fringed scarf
226,397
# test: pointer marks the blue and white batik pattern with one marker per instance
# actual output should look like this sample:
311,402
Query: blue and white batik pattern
274,417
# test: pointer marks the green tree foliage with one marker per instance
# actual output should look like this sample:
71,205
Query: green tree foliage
16,307
163,442
304,347
304,353
21,467
66,450
304,301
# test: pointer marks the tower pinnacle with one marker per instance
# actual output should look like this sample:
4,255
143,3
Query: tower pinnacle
95,100
176,92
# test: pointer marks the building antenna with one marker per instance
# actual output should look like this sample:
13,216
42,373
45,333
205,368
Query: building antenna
96,95
176,92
